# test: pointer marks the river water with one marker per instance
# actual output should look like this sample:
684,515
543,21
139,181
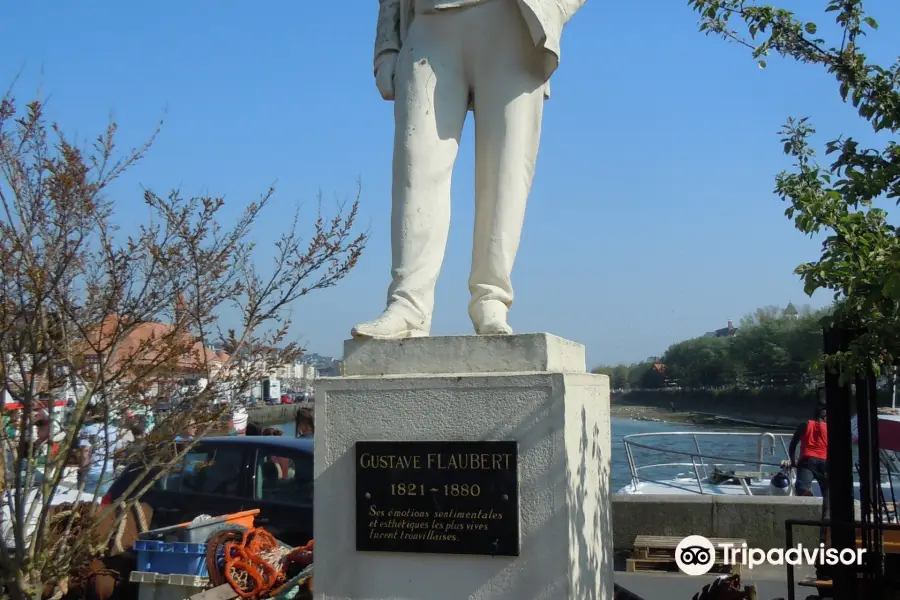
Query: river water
740,447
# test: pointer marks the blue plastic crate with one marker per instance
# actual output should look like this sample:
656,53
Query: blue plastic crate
197,533
171,558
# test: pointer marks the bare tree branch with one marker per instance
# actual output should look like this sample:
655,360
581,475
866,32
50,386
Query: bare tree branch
116,322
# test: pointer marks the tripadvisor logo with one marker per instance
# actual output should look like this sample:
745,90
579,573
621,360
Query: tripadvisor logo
696,555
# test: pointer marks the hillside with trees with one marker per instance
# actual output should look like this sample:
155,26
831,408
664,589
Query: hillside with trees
774,347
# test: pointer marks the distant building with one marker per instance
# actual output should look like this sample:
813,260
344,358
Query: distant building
160,356
724,332
181,359
333,369
326,366
295,370
790,311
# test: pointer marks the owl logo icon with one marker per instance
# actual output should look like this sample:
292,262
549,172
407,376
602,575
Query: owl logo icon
695,555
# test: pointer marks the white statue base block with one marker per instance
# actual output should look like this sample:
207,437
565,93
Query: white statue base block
530,388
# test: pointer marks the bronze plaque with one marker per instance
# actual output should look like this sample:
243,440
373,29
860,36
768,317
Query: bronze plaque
438,497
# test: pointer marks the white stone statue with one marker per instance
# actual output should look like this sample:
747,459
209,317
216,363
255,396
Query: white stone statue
437,59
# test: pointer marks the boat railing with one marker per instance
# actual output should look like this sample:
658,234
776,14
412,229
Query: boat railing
700,465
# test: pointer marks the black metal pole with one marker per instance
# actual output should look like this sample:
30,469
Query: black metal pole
866,495
840,465
870,482
789,543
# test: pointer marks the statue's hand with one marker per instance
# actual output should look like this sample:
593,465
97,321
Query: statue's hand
384,75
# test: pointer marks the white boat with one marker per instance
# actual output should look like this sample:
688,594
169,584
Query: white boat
720,471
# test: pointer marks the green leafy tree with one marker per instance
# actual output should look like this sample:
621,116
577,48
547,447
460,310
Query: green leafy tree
701,362
771,348
860,259
620,377
760,349
762,315
645,375
636,373
604,370
803,344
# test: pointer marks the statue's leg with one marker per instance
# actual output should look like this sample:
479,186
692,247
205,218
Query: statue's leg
431,99
508,104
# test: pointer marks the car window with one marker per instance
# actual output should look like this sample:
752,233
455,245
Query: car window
284,476
134,474
207,470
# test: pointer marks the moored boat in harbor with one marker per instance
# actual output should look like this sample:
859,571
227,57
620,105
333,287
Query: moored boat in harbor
674,462
888,429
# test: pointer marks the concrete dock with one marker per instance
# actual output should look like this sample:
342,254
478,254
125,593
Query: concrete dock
757,519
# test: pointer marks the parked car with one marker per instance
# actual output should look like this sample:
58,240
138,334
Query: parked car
287,399
223,475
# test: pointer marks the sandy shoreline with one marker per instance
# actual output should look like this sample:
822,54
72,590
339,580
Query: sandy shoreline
650,413
661,415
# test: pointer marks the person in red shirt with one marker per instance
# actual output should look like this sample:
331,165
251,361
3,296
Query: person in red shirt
812,437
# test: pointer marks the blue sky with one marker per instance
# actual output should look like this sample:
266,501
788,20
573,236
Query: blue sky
652,217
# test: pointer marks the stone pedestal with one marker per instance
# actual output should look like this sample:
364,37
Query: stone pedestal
532,389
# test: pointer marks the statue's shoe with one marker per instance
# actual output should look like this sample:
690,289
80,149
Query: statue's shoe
389,326
489,318
493,327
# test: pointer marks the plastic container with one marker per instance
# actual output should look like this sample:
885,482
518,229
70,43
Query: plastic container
158,586
199,533
244,518
171,558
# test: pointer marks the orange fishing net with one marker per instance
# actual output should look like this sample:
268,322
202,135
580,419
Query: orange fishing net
256,566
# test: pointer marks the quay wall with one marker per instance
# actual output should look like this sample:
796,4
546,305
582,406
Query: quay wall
270,415
757,519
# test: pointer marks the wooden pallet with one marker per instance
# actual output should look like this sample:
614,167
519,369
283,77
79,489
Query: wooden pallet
662,546
668,565
657,553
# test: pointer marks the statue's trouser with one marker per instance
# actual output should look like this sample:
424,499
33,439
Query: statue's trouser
483,53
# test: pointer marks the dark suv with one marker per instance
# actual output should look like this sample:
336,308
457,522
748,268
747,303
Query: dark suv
224,475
